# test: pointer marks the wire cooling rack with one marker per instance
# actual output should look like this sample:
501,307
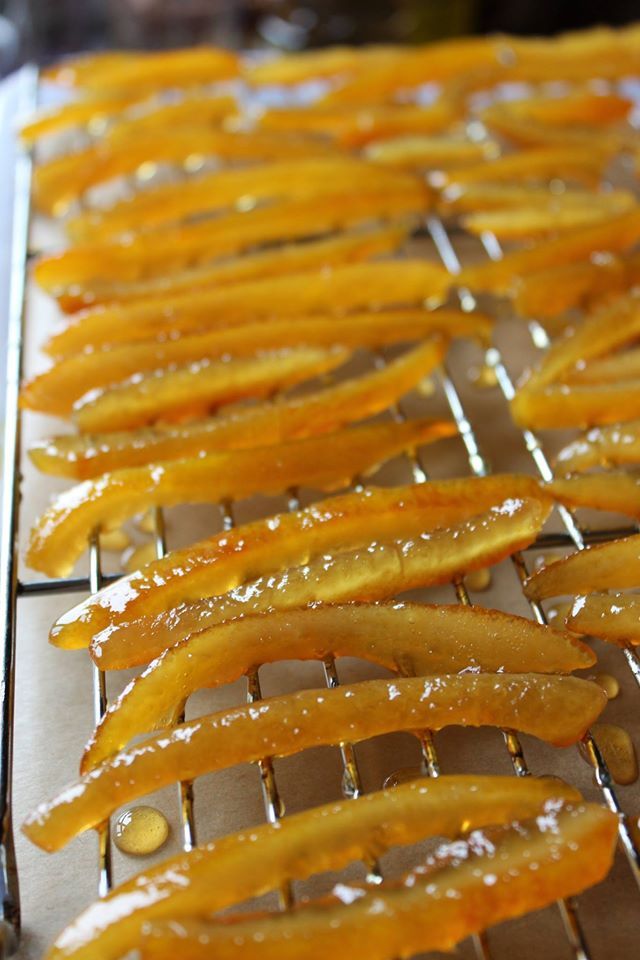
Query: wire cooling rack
570,535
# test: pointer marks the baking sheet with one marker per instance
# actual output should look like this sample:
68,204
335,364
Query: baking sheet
54,711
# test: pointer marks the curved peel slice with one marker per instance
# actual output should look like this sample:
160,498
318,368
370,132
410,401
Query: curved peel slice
578,107
172,202
491,199
535,166
182,245
576,405
195,389
347,287
63,180
287,418
351,246
614,235
434,153
556,709
609,566
616,491
224,561
460,890
616,445
237,867
613,617
326,462
377,571
607,329
550,292
77,113
355,127
58,388
408,638
148,70
533,222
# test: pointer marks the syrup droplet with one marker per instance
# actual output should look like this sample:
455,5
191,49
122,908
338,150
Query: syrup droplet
483,377
426,387
403,775
140,831
609,684
114,541
478,580
139,557
618,751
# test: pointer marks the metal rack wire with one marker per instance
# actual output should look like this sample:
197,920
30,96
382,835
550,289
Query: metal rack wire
11,587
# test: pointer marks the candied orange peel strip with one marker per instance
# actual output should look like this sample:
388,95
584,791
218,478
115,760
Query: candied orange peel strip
376,571
486,199
59,182
618,234
242,865
409,638
556,709
171,202
615,369
287,418
58,388
77,113
462,889
608,566
116,71
533,222
612,617
350,246
326,462
616,491
190,244
195,389
550,292
346,287
224,561
533,166
533,133
354,127
576,405
577,107
433,152
612,326
615,445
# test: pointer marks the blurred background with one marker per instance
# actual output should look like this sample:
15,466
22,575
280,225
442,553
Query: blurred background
42,30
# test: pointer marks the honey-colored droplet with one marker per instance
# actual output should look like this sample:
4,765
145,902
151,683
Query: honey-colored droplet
426,387
139,557
618,751
483,377
478,580
403,775
114,541
147,522
609,684
140,831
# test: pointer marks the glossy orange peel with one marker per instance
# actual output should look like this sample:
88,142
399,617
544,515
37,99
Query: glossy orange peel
556,709
325,462
411,639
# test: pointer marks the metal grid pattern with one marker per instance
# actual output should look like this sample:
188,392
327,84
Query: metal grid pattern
351,781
